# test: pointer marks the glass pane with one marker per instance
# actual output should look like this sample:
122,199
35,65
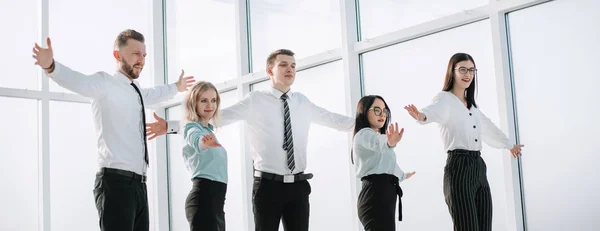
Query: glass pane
328,153
71,185
19,167
557,100
71,31
378,17
179,176
201,39
73,166
305,27
21,19
151,179
416,80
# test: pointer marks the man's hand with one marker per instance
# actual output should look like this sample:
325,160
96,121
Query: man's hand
184,82
43,56
157,128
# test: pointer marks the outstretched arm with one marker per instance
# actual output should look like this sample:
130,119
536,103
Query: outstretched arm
92,86
161,127
493,136
199,138
160,93
322,116
438,111
228,116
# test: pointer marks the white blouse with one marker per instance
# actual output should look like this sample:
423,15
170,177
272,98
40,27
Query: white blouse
372,155
462,128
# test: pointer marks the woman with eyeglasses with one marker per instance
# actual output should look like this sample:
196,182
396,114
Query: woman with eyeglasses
373,151
463,127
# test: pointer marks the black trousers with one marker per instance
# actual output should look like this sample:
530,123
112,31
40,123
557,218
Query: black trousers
121,200
274,200
467,191
204,205
377,202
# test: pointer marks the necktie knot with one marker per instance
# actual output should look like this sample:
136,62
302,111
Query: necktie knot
284,97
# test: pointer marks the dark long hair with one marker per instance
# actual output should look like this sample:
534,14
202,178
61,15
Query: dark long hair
362,118
449,82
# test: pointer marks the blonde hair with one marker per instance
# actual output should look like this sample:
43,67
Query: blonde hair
193,97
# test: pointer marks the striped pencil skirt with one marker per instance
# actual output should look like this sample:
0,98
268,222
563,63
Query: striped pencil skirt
467,191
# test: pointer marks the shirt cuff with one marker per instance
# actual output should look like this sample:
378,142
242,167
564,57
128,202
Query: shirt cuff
509,145
57,68
172,127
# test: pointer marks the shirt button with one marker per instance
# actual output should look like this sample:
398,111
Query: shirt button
474,126
475,140
470,114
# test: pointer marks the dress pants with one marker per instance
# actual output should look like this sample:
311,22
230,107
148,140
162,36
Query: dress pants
467,191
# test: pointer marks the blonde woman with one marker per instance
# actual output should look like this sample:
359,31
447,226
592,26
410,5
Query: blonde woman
205,158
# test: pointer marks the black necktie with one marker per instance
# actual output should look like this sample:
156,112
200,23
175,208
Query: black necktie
288,142
143,125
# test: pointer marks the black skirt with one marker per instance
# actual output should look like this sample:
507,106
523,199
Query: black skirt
377,200
204,205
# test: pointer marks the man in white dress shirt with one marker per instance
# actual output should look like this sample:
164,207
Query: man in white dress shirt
119,118
278,121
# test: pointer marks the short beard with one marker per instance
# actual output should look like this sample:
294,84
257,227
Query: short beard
128,69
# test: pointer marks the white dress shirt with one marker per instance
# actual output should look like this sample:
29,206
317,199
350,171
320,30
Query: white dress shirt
372,155
462,128
117,114
263,113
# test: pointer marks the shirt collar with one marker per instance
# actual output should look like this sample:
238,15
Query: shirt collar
278,93
124,79
210,126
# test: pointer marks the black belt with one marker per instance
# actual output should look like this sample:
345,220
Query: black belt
464,152
133,175
284,178
391,179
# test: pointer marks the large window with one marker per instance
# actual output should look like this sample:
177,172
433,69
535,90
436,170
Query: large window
20,20
201,39
180,182
555,51
83,34
73,166
378,17
328,152
413,73
19,165
306,27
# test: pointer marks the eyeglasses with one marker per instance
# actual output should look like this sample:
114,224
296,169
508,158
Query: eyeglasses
464,70
378,111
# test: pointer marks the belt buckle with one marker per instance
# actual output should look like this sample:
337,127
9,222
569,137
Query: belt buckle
288,178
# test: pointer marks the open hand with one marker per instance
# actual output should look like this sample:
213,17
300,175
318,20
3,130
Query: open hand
410,174
394,135
184,82
413,111
43,56
209,141
157,128
516,150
